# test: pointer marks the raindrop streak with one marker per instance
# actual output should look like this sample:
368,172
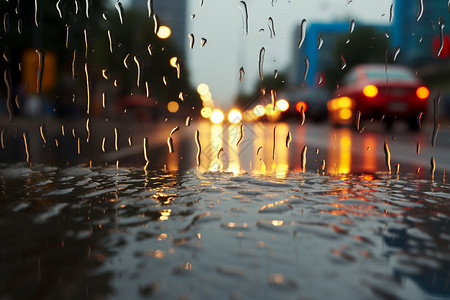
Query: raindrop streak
188,121
147,89
241,135
274,142
119,8
125,63
323,164
273,96
275,74
178,65
419,119
441,36
59,9
88,130
305,73
274,2
449,6
104,100
180,96
241,74
244,13
418,148
36,12
343,63
40,71
358,120
7,79
387,153
436,101
145,146
2,138
138,80
78,146
391,13
203,42
433,167
87,9
420,12
302,115
258,151
396,52
219,153
303,158
261,62
76,7
397,168
42,131
156,22
86,43
103,144
149,48
319,42
302,33
104,74
288,139
271,28
199,147
19,26
130,141
88,89
6,22
116,139
352,25
25,141
110,41
164,79
150,7
74,63
67,35
191,41
170,144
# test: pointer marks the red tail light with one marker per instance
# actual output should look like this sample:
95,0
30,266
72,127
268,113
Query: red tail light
301,105
422,92
370,91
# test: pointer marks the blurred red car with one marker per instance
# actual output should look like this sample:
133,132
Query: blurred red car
379,91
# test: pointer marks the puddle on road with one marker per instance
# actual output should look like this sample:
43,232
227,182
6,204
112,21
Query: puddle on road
102,232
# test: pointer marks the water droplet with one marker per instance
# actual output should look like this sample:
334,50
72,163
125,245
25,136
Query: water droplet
436,101
19,26
258,150
191,41
352,25
275,74
244,13
193,16
145,146
241,74
130,141
241,136
87,9
88,89
203,42
170,144
150,7
199,147
105,16
119,8
178,66
138,66
86,43
40,70
63,132
116,139
2,138
420,11
358,120
180,96
319,42
441,36
36,13
433,167
25,142
274,2
110,41
42,131
303,158
391,13
396,52
288,139
302,115
76,7
261,62
274,142
302,33
419,119
387,154
305,73
104,100
175,129
7,79
343,63
386,34
106,74
188,121
125,63
271,28
418,148
164,79
323,164
88,130
156,22
74,64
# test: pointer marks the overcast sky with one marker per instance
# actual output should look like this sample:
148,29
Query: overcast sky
227,48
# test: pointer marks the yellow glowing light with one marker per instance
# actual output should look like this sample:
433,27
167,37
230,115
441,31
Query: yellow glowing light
173,61
282,105
345,114
269,110
173,106
203,88
206,96
164,32
259,110
422,92
370,91
208,103
344,102
216,117
234,116
301,106
206,112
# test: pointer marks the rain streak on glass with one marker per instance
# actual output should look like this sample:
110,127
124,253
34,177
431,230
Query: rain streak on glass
191,41
244,13
302,33
241,135
156,21
271,28
36,13
420,11
203,42
67,36
58,8
343,63
87,9
110,41
436,101
119,8
319,42
199,147
305,73
150,7
241,74
391,13
261,62
7,79
138,80
275,74
288,139
352,25
441,36
396,52
387,154
303,158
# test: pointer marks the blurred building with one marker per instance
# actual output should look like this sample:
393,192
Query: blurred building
417,32
171,13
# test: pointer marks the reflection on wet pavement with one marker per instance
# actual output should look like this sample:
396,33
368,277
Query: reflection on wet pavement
106,232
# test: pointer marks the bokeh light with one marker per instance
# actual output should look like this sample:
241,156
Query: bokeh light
203,88
234,116
217,116
282,105
173,106
164,32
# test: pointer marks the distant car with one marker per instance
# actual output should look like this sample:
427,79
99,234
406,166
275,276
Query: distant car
379,91
312,100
